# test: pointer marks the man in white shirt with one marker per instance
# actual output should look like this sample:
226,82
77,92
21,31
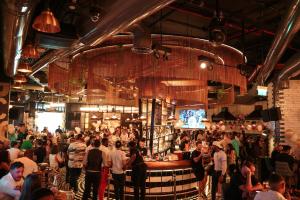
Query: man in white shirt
106,164
119,160
277,189
29,165
14,151
220,167
11,183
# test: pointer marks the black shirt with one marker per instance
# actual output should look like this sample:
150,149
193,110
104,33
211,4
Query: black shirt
236,181
40,154
197,166
138,159
284,157
143,151
182,145
94,160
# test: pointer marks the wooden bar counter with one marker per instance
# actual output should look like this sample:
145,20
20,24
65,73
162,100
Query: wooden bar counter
165,180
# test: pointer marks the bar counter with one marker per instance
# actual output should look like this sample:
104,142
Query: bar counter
165,180
165,165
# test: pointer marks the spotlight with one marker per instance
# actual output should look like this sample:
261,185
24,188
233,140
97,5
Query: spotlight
205,62
203,65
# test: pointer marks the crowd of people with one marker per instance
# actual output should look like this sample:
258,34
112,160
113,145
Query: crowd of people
233,166
72,154
228,159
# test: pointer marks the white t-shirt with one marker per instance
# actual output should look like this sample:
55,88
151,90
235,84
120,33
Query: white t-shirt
8,185
117,158
220,161
29,165
105,155
269,195
14,153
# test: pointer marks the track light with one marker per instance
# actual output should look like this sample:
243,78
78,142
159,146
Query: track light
205,62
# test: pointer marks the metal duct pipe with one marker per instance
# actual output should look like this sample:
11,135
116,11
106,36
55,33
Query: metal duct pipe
121,15
15,18
286,31
292,66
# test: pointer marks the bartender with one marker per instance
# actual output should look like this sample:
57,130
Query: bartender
142,147
184,141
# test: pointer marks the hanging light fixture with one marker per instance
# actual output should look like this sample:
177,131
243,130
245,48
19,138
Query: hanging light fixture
24,68
29,51
46,22
20,78
17,85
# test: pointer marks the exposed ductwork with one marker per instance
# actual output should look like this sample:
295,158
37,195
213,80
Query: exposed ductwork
15,20
286,31
292,66
121,15
142,42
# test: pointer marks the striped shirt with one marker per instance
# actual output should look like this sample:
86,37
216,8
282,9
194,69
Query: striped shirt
76,152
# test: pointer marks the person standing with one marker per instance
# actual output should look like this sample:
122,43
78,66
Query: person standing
22,132
92,164
220,167
139,171
11,183
40,152
76,153
142,147
106,164
118,158
198,167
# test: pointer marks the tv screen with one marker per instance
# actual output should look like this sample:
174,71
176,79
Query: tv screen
192,118
262,91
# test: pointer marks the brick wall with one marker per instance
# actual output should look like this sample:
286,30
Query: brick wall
289,102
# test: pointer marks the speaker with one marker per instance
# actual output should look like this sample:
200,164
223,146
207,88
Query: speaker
275,114
265,115
14,113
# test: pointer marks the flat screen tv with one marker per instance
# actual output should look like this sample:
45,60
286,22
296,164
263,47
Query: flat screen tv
192,118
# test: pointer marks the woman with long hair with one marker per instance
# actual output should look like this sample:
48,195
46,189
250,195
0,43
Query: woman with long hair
31,183
231,159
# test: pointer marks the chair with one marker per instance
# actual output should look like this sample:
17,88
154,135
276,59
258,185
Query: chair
283,169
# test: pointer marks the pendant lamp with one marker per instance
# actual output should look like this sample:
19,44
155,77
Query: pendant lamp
17,85
29,51
46,22
20,78
24,68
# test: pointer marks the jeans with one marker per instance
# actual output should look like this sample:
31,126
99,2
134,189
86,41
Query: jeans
103,183
138,180
119,182
215,181
92,179
74,174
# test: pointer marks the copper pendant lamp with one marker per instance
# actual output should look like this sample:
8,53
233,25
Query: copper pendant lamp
46,22
20,78
29,51
17,85
24,68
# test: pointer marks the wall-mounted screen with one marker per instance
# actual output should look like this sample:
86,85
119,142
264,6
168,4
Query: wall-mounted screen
262,91
192,118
